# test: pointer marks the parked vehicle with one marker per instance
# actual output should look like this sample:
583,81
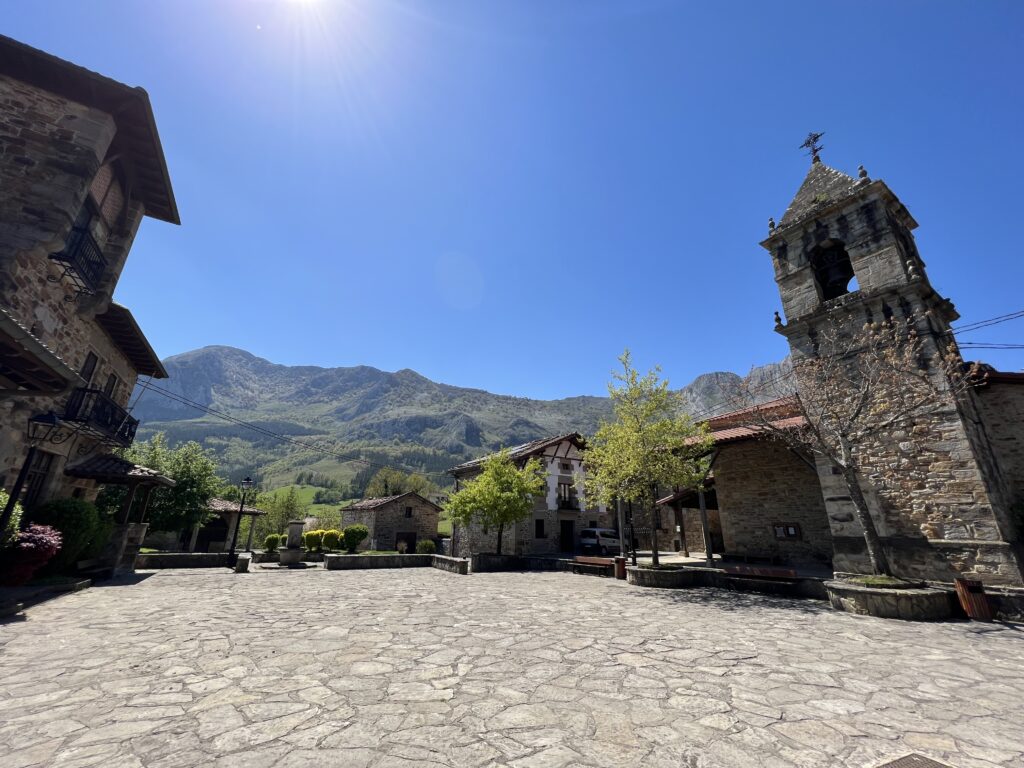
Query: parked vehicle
600,541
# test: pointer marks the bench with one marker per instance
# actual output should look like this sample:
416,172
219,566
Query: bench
599,566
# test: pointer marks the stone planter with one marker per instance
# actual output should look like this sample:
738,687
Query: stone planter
290,556
924,604
659,577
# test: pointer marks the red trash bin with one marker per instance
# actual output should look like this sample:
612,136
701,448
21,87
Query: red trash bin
620,568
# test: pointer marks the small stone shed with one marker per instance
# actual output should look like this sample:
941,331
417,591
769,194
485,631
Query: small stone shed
406,517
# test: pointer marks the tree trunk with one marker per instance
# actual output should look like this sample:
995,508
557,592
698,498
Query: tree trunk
501,534
879,562
654,535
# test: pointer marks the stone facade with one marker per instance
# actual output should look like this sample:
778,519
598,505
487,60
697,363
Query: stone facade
563,506
761,486
60,157
844,249
408,517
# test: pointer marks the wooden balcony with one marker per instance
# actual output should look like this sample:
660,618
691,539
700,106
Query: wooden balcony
92,412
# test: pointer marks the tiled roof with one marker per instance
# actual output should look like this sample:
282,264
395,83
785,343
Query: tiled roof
523,451
223,505
130,107
734,434
822,187
28,362
120,326
781,407
380,501
114,470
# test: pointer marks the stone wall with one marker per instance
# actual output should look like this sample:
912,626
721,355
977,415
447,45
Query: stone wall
50,152
388,520
1002,411
759,484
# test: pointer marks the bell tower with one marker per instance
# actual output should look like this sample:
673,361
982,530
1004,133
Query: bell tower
844,254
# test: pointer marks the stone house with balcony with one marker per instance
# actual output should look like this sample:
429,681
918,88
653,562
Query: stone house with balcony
405,517
558,515
81,165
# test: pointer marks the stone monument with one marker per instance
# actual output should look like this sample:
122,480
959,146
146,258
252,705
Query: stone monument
292,553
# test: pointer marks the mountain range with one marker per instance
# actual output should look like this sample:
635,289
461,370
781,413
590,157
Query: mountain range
399,418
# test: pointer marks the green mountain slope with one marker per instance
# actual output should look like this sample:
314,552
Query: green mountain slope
399,418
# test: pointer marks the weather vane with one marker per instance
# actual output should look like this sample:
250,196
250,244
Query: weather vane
812,146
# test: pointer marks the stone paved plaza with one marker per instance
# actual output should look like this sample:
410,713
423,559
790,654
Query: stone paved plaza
418,667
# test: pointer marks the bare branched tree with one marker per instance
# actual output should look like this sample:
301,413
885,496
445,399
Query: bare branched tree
862,393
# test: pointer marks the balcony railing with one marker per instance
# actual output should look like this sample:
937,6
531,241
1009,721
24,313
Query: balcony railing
93,413
570,503
82,259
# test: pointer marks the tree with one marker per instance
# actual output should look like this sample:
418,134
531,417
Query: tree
189,465
650,443
391,482
863,392
501,495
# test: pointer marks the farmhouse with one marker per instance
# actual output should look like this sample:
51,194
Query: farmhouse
405,518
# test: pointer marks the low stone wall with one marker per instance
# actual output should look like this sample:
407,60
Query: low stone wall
926,604
353,562
458,565
660,578
482,562
155,560
1007,603
681,578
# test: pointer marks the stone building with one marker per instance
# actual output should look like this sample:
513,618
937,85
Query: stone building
558,516
844,249
406,517
81,165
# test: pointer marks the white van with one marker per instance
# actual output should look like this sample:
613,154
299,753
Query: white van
599,541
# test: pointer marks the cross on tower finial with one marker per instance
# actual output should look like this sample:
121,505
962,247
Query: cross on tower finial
812,146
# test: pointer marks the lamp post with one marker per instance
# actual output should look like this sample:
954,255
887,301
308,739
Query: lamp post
246,484
40,428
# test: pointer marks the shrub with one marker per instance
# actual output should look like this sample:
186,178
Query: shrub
332,539
355,534
31,550
271,543
78,522
313,540
402,546
14,524
426,547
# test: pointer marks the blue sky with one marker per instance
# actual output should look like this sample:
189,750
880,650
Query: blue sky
506,194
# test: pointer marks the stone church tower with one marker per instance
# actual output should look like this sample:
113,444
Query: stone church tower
844,250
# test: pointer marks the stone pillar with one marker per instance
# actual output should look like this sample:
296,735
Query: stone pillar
192,540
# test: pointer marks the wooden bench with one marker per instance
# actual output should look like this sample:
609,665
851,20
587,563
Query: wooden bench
599,566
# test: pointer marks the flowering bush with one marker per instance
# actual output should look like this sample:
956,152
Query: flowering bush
27,553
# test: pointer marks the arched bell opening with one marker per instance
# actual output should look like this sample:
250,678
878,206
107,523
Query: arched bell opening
833,270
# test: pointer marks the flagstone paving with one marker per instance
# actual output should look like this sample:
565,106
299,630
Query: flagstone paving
418,667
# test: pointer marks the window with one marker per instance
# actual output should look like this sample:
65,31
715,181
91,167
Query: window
832,269
565,466
566,496
89,368
787,531
408,511
538,530
111,386
35,481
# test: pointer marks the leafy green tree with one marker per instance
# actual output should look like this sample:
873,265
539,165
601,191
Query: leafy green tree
390,482
171,509
650,443
501,495
281,508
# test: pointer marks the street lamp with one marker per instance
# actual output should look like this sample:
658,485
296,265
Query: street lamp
41,427
246,485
